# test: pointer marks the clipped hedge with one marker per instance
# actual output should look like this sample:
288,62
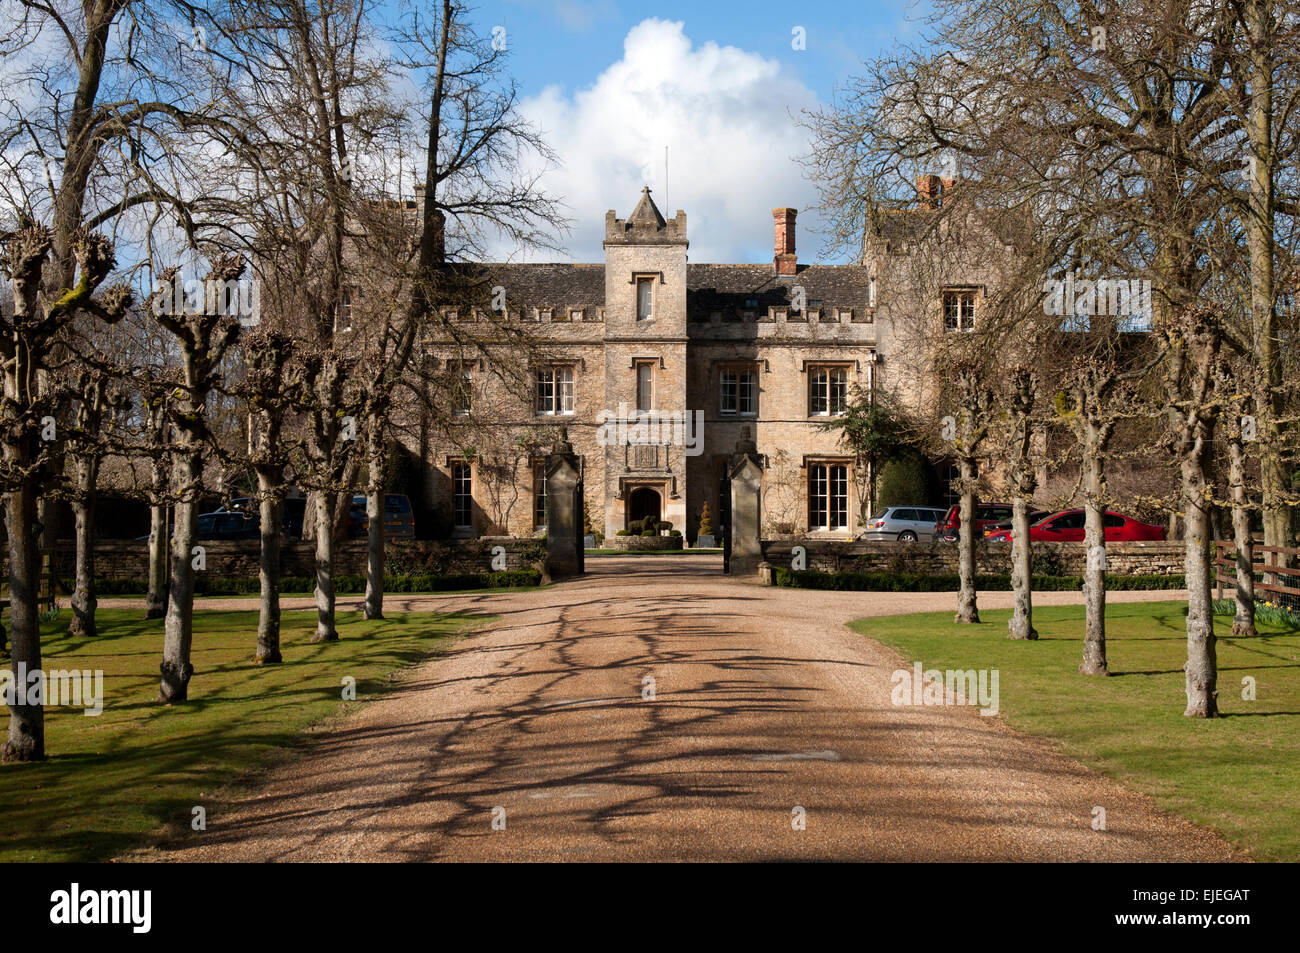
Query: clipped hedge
343,585
951,582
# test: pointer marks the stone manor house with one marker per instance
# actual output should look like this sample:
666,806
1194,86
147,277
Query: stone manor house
705,352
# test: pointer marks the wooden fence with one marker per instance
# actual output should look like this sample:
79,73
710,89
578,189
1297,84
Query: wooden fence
1268,568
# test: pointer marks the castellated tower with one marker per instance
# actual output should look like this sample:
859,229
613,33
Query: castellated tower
645,358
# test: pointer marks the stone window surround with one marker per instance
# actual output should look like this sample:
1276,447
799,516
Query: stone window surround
977,296
754,368
851,370
808,464
555,366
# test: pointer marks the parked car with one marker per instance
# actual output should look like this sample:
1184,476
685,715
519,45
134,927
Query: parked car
986,515
1066,526
399,518
293,510
1034,517
228,525
907,524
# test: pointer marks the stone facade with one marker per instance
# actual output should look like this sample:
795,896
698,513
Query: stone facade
774,347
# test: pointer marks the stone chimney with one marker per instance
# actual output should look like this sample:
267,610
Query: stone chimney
784,258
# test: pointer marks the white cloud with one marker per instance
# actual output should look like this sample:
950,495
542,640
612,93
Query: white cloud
726,116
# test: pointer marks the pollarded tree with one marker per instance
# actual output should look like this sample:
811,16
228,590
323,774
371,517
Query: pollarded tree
1092,406
203,335
272,385
970,428
1238,422
1021,401
1193,342
87,444
25,345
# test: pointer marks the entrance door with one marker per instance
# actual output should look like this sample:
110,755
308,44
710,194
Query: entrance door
643,502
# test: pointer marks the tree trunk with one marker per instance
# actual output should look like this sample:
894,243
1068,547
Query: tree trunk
325,505
1243,621
1021,624
967,611
1260,24
179,627
83,596
270,507
156,601
1202,665
375,528
1094,574
26,741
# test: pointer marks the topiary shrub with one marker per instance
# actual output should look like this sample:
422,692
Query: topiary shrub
907,479
623,532
648,532
706,521
664,526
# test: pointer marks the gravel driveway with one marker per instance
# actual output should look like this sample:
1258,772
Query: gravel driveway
540,738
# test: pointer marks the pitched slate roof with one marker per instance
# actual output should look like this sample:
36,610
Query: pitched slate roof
709,287
725,287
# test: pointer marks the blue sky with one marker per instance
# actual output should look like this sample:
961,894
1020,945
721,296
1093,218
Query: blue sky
612,83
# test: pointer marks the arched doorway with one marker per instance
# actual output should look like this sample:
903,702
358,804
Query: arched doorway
642,502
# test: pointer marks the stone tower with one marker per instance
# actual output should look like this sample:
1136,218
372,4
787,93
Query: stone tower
645,359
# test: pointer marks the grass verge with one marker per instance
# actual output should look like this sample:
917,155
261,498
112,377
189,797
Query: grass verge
1238,774
113,780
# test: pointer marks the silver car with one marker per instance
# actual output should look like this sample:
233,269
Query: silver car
907,524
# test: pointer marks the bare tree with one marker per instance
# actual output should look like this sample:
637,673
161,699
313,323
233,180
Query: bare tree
971,427
86,445
1021,400
1193,345
202,336
24,347
273,384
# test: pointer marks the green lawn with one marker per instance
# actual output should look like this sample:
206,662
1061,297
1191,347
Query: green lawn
1239,774
111,780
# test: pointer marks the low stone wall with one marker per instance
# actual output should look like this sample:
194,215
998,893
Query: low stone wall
124,559
642,544
1051,559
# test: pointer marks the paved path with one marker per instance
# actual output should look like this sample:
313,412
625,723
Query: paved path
764,702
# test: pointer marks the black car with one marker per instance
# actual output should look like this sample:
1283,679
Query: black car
293,511
399,518
228,525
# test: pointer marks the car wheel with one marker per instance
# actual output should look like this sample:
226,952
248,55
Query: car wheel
907,536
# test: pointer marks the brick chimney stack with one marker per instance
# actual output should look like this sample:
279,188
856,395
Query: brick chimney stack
784,258
930,190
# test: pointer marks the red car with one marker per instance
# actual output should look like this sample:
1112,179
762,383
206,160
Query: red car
986,515
1066,526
